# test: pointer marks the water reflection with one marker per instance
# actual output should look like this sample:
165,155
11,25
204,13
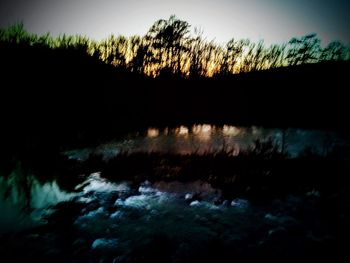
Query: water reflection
181,131
230,130
152,132
206,138
24,200
202,132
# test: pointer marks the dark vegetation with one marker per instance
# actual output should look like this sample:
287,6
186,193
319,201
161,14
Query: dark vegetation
300,208
70,91
261,173
254,175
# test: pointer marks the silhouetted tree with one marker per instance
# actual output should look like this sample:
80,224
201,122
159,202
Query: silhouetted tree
169,39
196,46
113,50
138,54
303,50
334,51
169,48
211,59
247,62
233,53
275,56
259,57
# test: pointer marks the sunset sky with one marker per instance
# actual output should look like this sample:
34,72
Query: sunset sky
275,21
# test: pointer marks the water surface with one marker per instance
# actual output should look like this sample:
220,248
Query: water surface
207,138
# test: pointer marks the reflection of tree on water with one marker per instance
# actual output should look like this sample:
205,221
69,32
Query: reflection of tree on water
15,200
23,198
17,187
200,139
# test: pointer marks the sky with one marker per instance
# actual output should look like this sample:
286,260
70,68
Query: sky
274,21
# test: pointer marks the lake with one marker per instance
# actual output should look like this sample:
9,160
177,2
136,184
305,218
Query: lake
205,138
99,218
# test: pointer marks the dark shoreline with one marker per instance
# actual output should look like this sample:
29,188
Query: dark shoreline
67,99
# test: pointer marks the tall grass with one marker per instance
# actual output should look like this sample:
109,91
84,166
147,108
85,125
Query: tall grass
169,47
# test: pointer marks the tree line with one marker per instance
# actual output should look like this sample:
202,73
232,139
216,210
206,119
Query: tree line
170,48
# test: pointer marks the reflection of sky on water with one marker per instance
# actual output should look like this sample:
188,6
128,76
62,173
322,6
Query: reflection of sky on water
204,138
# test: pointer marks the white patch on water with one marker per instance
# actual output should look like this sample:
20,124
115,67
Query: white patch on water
240,203
195,203
98,212
146,201
204,204
117,215
148,197
146,190
105,243
92,215
119,202
84,199
188,196
48,194
95,183
271,217
138,201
